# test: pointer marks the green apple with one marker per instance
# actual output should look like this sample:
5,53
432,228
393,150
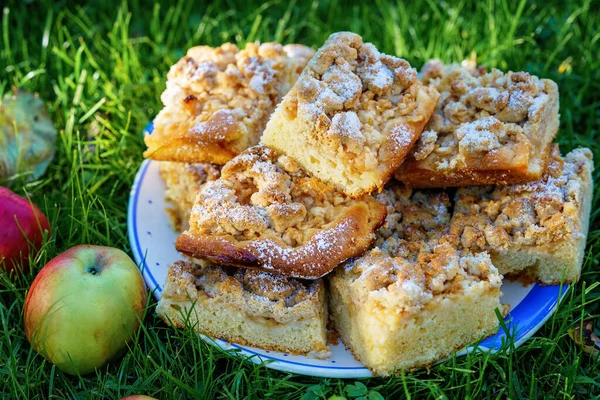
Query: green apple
84,306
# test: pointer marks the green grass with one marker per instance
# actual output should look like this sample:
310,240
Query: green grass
101,68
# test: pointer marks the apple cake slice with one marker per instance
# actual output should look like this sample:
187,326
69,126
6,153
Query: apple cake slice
218,100
537,228
183,182
488,128
249,307
266,212
352,116
416,297
409,304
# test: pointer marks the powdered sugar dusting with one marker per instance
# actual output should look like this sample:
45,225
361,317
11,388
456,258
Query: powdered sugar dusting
537,106
530,214
552,189
378,76
347,124
173,93
342,81
202,71
402,136
425,269
250,292
248,83
218,127
477,136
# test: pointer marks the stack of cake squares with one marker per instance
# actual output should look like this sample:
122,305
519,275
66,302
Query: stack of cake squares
343,190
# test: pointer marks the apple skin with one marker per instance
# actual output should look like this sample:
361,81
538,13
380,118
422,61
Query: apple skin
78,319
138,397
21,221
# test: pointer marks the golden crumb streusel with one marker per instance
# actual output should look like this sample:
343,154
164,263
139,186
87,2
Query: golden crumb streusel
266,212
415,256
261,192
274,291
488,127
530,214
353,111
413,214
218,100
407,274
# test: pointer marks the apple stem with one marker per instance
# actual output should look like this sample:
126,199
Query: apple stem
92,270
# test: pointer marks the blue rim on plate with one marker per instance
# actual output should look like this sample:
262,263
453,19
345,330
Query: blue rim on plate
520,324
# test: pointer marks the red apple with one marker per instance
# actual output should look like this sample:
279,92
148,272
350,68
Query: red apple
138,397
84,307
21,223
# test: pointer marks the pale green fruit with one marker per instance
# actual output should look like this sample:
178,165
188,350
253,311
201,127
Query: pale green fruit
84,307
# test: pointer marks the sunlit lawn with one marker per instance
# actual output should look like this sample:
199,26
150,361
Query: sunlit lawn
101,67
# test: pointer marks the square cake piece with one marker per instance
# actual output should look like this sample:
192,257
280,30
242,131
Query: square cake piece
415,298
352,116
409,304
266,212
488,128
537,229
252,308
183,183
218,100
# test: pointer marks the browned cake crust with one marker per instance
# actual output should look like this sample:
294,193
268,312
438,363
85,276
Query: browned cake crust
218,100
352,116
488,128
265,212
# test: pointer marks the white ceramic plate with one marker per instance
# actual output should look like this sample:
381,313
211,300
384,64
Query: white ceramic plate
152,242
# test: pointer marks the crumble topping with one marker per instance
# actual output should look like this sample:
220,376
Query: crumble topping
263,193
224,96
356,97
425,145
415,257
271,290
404,276
532,213
479,112
485,135
231,83
412,214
